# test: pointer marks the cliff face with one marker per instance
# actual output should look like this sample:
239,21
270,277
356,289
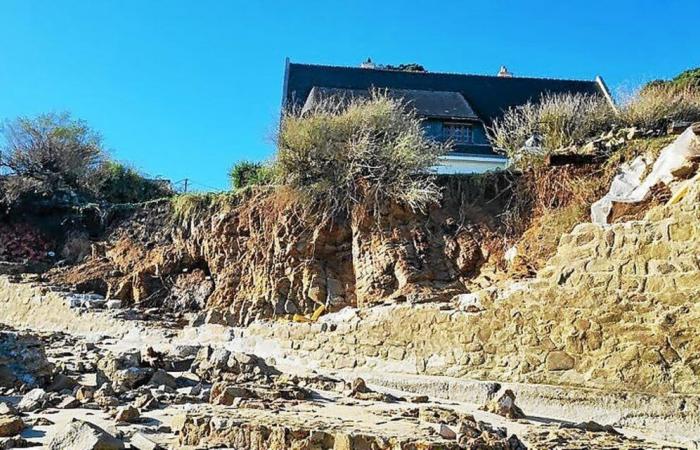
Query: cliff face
614,309
253,257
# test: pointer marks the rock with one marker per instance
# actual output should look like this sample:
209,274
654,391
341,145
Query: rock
81,435
122,371
593,427
446,432
113,304
10,426
130,378
505,406
8,409
141,442
146,402
163,378
14,442
68,402
359,386
559,360
23,361
224,394
104,396
127,414
33,400
61,382
84,393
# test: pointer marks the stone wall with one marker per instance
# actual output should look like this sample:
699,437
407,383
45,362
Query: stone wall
615,309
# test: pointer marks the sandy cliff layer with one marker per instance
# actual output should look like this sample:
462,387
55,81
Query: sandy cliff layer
252,257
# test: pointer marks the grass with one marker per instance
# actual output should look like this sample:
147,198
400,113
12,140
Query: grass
557,121
657,104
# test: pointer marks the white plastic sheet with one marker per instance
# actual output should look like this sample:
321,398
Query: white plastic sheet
627,186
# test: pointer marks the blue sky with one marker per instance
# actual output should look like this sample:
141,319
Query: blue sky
186,88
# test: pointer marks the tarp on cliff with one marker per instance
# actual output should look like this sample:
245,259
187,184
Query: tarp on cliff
628,186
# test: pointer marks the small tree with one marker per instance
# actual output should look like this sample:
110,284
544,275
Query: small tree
47,155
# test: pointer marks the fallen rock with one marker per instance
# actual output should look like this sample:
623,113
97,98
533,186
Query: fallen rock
61,382
141,442
33,400
10,426
84,394
8,409
446,432
127,414
505,406
68,402
163,378
593,427
23,361
82,435
14,442
122,371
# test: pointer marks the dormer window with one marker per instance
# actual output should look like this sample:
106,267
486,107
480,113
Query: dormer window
459,133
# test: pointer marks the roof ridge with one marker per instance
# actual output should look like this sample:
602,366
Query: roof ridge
334,66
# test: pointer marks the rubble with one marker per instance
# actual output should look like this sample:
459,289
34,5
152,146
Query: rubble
23,361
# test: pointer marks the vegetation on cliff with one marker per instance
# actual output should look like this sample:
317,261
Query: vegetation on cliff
368,152
61,160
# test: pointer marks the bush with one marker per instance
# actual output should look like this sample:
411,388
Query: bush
659,103
247,173
116,183
368,151
557,120
48,155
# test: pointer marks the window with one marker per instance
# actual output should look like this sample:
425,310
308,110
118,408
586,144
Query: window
458,133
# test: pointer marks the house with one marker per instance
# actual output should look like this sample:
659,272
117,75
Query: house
454,107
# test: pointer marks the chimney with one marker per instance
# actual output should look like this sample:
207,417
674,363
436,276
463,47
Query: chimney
368,64
503,72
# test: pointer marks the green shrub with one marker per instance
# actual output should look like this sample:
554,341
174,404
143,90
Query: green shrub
117,183
48,156
368,151
559,120
247,173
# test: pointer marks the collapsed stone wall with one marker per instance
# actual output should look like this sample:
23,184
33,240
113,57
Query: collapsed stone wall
614,309
251,256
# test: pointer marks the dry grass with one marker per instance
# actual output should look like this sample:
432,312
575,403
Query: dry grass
367,152
656,105
558,121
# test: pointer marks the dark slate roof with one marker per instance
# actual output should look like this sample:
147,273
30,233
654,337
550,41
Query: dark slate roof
488,96
432,104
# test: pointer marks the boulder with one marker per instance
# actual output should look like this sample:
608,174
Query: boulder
33,400
122,371
163,378
61,382
68,402
23,361
127,414
8,409
82,435
505,406
10,426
